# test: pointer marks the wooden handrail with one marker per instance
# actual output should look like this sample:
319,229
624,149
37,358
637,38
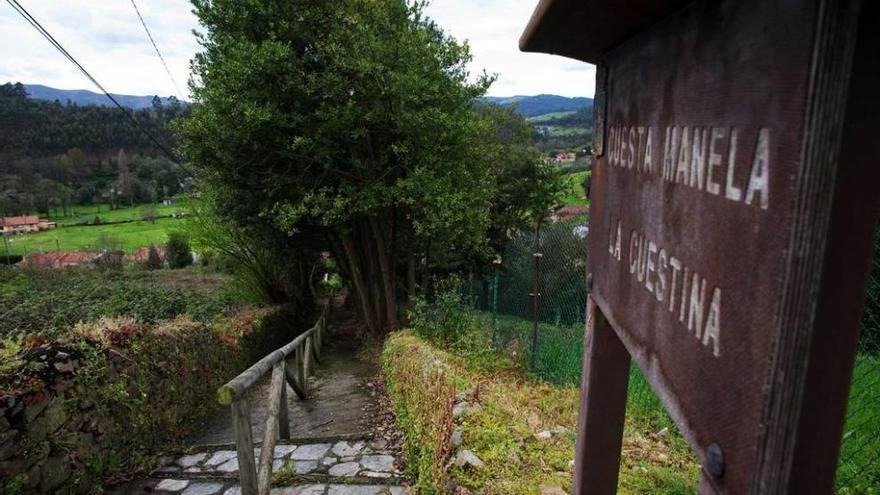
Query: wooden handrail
234,394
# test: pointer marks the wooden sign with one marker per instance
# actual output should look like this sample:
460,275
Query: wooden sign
733,200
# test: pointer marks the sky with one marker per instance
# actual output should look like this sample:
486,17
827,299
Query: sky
106,37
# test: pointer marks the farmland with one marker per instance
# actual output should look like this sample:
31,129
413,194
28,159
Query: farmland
87,214
120,236
98,228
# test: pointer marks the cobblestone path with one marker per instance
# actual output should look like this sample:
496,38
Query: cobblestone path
332,468
332,450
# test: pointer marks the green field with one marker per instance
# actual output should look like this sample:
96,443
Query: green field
547,117
573,190
125,236
554,131
87,214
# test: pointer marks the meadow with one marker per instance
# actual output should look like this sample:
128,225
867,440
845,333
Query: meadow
573,189
122,229
558,361
126,237
87,213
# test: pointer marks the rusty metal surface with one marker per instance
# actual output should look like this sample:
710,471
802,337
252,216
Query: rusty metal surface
726,71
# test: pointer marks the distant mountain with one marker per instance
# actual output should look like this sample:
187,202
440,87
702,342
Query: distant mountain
531,106
83,97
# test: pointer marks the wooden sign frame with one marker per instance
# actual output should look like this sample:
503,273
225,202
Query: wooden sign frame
794,442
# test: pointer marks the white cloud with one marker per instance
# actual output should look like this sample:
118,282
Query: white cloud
493,28
107,38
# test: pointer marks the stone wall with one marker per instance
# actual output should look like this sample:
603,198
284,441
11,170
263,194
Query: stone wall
104,400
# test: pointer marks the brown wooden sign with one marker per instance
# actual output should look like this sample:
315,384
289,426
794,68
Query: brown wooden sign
733,197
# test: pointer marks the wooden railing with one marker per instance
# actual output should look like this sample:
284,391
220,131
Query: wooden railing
295,371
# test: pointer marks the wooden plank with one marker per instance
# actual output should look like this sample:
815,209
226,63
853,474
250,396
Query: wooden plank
240,384
602,412
244,445
291,371
283,413
270,436
307,364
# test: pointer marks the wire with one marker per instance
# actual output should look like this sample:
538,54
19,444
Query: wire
36,25
150,35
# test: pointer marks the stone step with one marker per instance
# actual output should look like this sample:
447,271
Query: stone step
204,486
346,460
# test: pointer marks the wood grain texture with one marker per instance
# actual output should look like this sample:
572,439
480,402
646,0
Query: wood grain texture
244,445
830,247
604,381
267,450
283,413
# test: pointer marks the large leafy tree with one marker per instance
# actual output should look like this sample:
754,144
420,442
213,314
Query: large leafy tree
350,119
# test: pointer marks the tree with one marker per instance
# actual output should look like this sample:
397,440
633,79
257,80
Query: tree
177,251
355,124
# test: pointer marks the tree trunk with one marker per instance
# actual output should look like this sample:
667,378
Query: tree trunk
357,279
387,276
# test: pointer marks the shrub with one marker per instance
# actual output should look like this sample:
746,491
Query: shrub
120,391
154,261
177,251
423,396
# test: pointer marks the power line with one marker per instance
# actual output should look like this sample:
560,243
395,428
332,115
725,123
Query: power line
36,25
150,35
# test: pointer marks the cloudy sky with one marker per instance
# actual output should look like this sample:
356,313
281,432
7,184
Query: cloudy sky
108,40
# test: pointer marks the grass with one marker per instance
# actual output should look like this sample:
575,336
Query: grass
127,237
556,131
547,117
559,362
859,467
87,213
573,191
513,407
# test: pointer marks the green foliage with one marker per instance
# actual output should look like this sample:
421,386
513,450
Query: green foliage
49,302
154,261
507,410
423,395
141,388
43,166
177,251
126,237
356,128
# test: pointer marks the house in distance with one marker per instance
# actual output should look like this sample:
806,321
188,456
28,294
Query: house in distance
24,224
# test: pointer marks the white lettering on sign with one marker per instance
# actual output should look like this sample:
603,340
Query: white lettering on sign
700,158
692,298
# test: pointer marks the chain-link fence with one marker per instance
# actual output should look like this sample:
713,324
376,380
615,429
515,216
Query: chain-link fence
859,467
536,300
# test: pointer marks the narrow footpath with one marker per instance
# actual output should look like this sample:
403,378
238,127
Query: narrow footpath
333,450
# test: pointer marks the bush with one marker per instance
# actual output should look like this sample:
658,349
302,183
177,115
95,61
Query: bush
51,301
423,396
154,261
125,391
177,251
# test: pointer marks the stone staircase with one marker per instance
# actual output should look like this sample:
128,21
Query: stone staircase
344,467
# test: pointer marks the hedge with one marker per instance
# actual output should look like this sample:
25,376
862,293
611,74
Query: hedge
101,401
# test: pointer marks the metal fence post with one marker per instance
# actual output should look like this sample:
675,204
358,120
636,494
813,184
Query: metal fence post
536,293
497,263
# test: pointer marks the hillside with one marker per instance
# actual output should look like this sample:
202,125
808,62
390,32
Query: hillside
83,97
532,106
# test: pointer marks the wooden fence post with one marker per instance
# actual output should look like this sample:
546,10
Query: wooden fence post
283,414
602,407
244,445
